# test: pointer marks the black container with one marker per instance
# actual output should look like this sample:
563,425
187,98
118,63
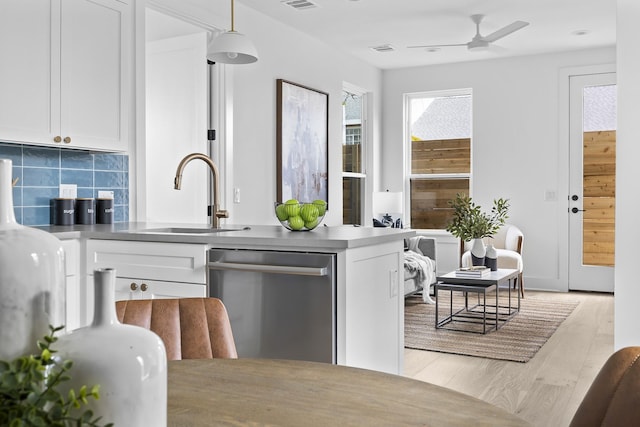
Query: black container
85,211
104,212
63,211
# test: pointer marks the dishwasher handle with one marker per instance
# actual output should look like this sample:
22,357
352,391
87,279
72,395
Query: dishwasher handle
266,268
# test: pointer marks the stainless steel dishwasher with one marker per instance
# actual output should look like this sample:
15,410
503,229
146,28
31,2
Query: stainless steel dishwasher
281,304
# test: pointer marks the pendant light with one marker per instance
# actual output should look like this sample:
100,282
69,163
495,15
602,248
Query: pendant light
232,47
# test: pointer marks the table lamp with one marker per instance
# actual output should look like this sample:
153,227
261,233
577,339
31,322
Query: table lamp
387,203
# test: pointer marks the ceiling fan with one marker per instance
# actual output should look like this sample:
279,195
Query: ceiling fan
479,41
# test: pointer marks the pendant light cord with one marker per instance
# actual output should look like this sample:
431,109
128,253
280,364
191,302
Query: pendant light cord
232,17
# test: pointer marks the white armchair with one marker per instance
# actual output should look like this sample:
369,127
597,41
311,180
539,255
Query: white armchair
508,242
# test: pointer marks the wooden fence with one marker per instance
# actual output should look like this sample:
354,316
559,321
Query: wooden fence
599,185
441,156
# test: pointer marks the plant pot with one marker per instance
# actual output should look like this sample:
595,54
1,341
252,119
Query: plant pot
478,252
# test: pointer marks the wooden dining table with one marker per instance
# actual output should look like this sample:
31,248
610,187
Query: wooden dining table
267,392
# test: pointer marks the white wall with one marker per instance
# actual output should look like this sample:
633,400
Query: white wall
627,290
289,55
518,150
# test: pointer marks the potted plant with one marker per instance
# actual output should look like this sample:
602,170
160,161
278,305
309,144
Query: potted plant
470,223
31,392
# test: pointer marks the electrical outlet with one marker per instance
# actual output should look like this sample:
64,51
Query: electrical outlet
236,195
68,191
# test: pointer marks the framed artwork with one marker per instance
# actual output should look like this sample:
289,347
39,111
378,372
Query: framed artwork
302,141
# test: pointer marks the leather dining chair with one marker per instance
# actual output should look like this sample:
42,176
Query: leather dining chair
190,328
614,396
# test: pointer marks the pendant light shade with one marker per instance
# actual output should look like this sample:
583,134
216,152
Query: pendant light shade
232,47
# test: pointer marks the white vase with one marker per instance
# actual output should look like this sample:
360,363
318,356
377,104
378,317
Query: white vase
478,252
491,257
32,278
129,363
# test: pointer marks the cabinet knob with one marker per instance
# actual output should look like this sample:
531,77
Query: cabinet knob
67,140
143,287
134,286
57,139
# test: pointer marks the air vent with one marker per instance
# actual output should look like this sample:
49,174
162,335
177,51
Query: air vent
300,4
384,48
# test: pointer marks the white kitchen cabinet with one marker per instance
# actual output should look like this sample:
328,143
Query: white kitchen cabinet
168,262
66,76
146,270
131,288
371,307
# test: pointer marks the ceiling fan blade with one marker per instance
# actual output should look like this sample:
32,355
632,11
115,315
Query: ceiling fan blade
505,31
436,45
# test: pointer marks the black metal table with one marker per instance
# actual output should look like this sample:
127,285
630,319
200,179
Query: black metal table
489,316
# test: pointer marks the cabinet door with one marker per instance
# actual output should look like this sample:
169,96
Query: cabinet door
94,81
373,317
66,73
30,52
154,289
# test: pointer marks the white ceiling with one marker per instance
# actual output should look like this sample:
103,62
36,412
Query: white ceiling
354,26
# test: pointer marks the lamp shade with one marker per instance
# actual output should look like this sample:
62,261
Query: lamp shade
387,202
232,47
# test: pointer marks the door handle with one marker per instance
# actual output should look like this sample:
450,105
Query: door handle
576,210
262,268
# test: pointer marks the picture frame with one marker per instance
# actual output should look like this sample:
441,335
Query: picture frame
302,143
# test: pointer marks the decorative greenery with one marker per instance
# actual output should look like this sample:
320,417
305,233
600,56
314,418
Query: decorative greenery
469,222
28,395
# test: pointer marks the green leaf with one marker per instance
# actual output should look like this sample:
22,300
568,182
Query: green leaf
469,222
29,399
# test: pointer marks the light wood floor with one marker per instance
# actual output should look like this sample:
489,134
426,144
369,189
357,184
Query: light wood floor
545,391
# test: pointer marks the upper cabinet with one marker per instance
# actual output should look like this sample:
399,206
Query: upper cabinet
65,79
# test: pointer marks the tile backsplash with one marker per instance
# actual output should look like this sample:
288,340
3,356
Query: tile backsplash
41,171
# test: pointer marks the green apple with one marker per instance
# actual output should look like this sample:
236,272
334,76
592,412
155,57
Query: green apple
281,212
311,224
321,205
292,207
296,223
308,212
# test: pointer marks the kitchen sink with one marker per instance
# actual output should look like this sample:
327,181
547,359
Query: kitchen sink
187,230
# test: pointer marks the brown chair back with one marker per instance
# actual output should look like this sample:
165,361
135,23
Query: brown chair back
614,396
191,328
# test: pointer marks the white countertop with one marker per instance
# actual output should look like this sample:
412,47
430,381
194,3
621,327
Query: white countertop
256,236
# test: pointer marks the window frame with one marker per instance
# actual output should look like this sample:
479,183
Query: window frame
407,146
365,151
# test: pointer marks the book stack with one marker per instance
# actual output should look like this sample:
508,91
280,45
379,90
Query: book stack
478,271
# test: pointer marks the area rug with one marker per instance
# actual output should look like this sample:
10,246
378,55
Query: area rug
518,340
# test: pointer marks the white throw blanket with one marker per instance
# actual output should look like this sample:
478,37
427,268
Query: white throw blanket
425,267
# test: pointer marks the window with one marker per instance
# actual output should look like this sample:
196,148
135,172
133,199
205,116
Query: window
439,154
353,169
